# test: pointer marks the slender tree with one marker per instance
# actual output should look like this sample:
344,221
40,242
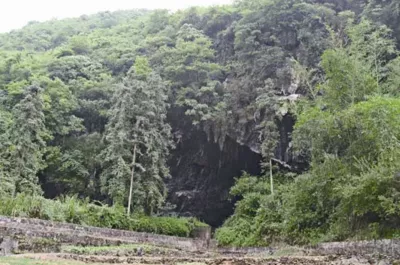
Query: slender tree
138,141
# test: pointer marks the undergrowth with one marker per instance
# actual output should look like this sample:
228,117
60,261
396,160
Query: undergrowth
82,212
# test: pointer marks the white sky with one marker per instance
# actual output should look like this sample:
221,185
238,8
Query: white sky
15,14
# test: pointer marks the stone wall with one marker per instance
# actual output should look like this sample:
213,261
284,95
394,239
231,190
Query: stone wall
388,247
7,246
86,235
245,250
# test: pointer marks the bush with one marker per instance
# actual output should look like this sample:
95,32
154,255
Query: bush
325,204
74,210
257,215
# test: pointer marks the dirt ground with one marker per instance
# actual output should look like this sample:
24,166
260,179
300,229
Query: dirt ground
71,259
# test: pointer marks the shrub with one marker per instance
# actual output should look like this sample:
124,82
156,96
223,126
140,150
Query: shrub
73,210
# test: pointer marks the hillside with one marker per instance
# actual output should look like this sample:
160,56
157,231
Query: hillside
197,112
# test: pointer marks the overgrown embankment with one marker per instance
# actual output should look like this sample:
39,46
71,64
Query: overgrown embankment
75,211
77,243
72,234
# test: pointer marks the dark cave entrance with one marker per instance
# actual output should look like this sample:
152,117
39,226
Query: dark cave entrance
203,173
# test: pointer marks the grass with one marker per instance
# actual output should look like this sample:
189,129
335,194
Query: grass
105,250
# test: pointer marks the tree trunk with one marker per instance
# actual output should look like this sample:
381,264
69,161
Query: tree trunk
271,177
132,173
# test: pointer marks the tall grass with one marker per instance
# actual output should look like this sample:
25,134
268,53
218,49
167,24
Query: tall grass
73,210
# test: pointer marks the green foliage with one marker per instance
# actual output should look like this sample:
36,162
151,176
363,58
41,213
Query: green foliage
257,218
137,137
80,45
371,198
348,79
349,130
393,79
72,68
53,33
25,142
385,13
373,45
73,210
141,68
194,75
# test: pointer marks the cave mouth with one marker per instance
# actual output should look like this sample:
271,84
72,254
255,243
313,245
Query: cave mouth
203,174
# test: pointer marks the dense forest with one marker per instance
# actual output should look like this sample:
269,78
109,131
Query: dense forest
274,120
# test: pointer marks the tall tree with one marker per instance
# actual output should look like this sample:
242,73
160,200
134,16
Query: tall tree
26,142
7,186
138,141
